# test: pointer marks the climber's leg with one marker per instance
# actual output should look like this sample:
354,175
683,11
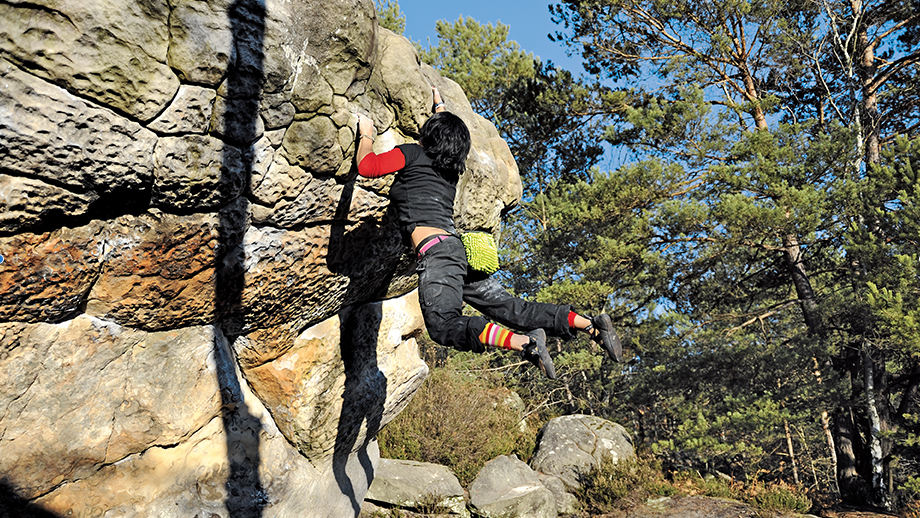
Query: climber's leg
489,298
441,272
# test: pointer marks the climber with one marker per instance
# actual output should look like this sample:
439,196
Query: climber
423,198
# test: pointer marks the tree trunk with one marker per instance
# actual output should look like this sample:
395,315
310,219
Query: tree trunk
792,253
825,424
879,493
848,480
887,424
795,467
867,72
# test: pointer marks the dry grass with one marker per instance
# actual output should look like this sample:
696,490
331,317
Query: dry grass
616,486
458,421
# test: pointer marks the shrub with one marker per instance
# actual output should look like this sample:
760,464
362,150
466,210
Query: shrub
611,485
693,483
459,421
383,513
776,497
912,509
431,504
779,497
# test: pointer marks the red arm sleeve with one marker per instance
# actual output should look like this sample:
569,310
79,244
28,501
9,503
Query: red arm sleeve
375,166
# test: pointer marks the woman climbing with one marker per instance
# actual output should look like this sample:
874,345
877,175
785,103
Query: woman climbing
423,198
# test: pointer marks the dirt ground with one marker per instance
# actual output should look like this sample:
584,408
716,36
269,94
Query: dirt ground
704,507
670,507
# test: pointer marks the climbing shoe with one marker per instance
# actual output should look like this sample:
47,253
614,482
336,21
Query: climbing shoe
535,352
601,330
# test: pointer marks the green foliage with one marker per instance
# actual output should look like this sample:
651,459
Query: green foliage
710,245
882,242
481,59
614,485
747,252
780,498
389,16
726,404
598,231
889,251
457,420
911,443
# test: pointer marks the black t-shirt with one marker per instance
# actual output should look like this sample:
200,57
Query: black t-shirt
421,195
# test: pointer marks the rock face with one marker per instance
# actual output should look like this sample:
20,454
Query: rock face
203,310
569,446
508,487
419,486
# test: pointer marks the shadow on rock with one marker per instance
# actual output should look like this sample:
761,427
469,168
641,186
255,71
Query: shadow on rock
245,497
14,506
355,454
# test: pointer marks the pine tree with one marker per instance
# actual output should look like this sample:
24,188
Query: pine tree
759,251
481,59
757,105
389,16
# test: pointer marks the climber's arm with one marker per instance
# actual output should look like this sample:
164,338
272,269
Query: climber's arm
365,139
370,164
373,165
438,105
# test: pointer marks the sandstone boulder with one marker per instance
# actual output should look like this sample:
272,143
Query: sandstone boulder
566,503
418,486
569,446
506,486
114,54
203,311
63,154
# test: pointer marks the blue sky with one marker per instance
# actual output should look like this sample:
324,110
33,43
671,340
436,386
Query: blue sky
529,23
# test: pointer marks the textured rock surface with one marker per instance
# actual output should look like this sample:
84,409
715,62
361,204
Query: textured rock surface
569,446
203,310
112,53
508,487
566,503
405,484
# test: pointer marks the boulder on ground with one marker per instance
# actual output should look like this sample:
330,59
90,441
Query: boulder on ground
508,487
417,486
569,446
566,503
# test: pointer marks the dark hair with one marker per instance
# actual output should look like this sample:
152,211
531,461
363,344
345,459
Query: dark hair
446,141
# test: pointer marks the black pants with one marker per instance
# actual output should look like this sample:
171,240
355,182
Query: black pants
446,282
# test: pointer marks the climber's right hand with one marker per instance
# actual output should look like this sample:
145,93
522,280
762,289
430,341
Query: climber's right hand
365,125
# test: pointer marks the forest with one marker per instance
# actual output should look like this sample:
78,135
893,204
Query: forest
736,183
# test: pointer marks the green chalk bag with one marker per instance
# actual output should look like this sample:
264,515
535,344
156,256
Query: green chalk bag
481,252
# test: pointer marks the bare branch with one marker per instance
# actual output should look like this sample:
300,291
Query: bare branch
895,28
760,317
827,89
895,67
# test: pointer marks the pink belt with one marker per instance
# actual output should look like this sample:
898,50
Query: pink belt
435,240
